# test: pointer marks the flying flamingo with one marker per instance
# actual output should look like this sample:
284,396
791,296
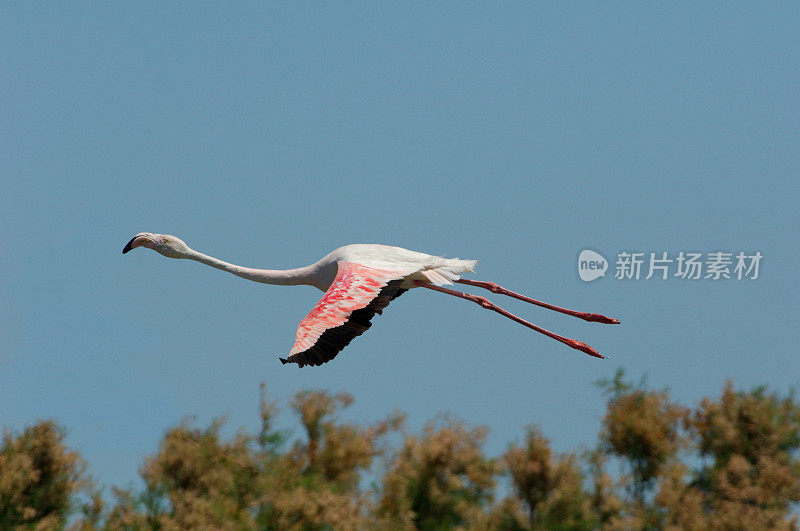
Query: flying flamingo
359,281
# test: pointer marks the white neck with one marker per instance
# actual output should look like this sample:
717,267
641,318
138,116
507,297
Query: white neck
285,277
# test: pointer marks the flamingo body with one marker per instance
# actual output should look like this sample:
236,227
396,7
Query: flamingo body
368,277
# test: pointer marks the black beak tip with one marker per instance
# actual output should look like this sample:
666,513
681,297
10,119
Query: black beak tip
128,246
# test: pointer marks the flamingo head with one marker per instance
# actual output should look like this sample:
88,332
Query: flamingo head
166,244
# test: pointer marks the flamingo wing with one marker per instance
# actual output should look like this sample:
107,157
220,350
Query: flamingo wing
357,293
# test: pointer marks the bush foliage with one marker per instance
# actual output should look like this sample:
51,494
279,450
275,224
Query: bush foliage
729,462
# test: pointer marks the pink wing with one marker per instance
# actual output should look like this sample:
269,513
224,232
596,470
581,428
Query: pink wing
357,293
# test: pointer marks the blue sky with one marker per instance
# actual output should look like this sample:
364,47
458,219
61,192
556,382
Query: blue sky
268,134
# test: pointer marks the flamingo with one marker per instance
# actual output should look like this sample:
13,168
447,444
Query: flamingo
359,281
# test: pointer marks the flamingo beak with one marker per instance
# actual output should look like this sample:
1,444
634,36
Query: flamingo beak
137,241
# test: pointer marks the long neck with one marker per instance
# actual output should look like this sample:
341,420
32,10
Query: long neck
285,277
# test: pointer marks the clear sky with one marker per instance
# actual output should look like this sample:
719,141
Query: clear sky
268,134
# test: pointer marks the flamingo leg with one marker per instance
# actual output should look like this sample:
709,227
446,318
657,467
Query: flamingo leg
494,288
486,303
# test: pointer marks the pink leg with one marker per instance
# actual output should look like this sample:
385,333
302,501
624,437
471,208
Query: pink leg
494,288
485,303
